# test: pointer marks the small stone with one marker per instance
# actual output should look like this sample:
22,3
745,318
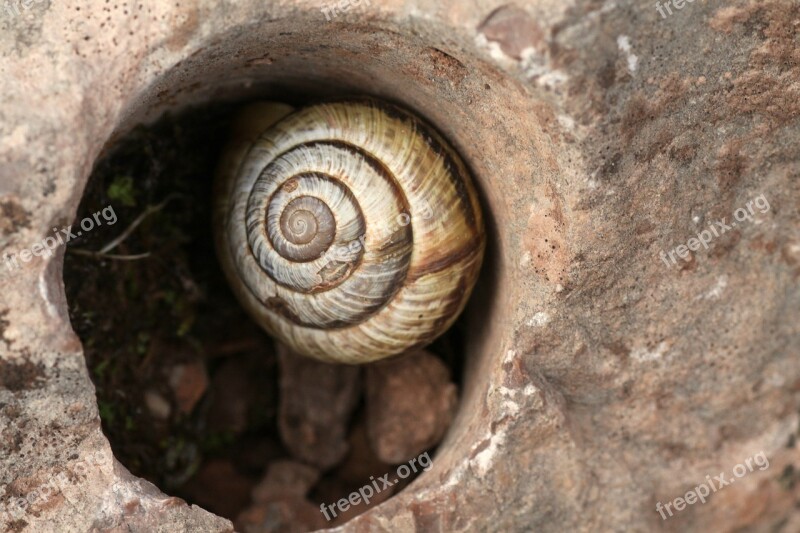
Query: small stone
410,402
316,402
513,29
359,469
219,487
285,478
158,406
361,461
288,514
189,382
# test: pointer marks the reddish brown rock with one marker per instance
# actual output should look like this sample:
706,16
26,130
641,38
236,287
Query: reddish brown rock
189,382
360,468
219,487
289,514
410,404
361,461
279,502
285,478
316,403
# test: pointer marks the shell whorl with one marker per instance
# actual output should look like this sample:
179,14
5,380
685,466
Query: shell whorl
350,230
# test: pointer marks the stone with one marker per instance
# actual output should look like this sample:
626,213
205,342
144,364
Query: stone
159,407
285,478
316,403
359,469
279,501
218,486
410,403
189,382
361,461
289,514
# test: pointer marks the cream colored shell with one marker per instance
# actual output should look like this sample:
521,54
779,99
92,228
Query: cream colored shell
350,230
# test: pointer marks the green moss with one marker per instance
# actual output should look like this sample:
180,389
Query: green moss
122,191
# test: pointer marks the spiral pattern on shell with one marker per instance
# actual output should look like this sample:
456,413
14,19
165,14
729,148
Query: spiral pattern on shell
350,230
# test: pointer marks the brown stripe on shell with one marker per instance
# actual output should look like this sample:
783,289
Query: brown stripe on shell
463,254
375,163
457,173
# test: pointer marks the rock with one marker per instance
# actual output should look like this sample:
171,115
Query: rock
410,403
361,461
360,468
219,487
285,478
288,514
189,382
279,500
316,404
158,406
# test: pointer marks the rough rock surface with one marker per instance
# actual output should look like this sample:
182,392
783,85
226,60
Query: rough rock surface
601,379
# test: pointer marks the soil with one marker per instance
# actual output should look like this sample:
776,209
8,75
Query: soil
158,304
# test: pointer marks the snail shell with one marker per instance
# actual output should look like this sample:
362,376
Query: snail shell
350,230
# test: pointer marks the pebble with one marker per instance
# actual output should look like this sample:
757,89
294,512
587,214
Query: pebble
410,402
316,403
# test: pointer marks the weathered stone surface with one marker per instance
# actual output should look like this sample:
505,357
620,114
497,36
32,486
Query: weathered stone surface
410,403
316,404
600,379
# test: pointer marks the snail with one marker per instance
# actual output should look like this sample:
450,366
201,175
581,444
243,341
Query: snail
349,230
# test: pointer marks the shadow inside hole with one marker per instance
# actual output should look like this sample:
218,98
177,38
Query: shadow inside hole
187,385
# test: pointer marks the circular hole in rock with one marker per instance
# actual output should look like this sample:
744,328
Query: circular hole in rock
192,394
